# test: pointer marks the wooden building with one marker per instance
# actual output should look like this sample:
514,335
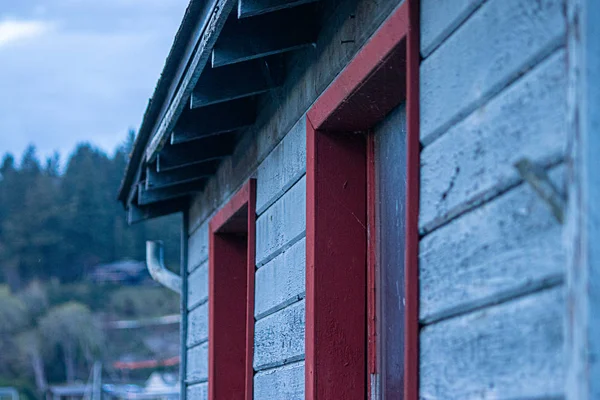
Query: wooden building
382,199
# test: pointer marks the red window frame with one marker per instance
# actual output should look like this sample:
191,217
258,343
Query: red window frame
232,247
340,176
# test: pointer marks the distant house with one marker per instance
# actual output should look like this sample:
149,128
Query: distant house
125,272
381,199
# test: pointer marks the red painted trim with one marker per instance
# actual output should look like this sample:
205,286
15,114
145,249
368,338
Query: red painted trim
413,165
389,36
336,277
310,345
371,261
251,272
239,200
231,296
382,75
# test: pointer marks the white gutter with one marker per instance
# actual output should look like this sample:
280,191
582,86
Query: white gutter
157,269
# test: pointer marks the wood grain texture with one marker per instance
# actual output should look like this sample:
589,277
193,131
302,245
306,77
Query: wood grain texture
511,351
498,43
284,383
282,224
198,325
198,392
282,168
197,364
504,248
439,18
198,247
198,286
279,338
281,281
476,156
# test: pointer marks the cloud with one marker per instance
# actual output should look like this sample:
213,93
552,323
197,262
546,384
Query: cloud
14,30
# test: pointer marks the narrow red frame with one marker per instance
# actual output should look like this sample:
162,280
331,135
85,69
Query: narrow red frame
232,247
340,176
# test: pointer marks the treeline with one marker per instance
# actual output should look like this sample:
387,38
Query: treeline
59,220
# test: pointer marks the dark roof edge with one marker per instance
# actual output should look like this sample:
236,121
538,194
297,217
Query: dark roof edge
152,113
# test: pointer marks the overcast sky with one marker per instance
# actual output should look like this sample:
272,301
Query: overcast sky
79,70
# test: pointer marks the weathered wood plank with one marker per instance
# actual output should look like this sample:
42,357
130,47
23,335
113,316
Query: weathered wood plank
500,41
284,383
281,281
197,325
197,363
217,85
198,247
511,351
439,18
272,33
507,247
251,8
477,155
282,168
198,286
282,224
279,338
198,392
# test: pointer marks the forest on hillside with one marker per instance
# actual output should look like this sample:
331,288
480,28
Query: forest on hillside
59,220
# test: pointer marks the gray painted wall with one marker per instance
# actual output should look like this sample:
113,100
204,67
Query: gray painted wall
493,90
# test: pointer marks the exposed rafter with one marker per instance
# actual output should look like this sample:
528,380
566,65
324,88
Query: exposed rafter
150,196
251,8
158,180
236,81
273,33
137,213
210,149
215,119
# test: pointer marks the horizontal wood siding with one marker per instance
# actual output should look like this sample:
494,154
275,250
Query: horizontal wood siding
285,383
281,281
198,391
475,158
282,224
197,364
279,338
511,351
198,325
494,46
440,17
510,246
282,168
491,256
197,315
198,286
198,247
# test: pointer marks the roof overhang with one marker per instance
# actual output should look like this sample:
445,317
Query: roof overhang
221,61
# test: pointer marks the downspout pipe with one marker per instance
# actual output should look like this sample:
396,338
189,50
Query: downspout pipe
156,267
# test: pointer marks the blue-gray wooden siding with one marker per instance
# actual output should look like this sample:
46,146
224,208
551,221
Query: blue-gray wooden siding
493,90
493,87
